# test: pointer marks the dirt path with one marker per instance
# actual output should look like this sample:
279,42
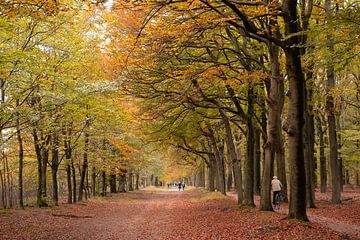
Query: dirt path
156,215
347,231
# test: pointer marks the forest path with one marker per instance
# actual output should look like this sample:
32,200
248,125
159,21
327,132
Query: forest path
178,215
347,231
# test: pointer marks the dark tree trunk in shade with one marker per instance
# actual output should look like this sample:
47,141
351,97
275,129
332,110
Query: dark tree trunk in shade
297,101
231,150
322,158
41,170
112,179
211,175
55,166
122,182
73,175
257,162
250,150
220,171
137,179
330,109
3,194
308,155
85,161
131,184
103,183
93,181
229,175
20,158
270,145
238,172
68,170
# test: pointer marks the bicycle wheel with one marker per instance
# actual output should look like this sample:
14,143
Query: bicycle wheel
277,201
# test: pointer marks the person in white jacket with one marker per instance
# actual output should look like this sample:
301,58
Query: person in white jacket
275,187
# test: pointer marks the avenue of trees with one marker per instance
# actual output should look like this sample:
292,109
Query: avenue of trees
64,128
224,93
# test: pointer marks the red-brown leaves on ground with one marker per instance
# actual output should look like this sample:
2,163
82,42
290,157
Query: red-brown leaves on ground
162,215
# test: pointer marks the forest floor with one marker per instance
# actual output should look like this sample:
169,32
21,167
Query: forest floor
190,214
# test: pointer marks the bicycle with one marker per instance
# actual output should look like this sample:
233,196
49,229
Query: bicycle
277,201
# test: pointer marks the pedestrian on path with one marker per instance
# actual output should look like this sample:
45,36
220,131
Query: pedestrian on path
275,187
183,186
179,186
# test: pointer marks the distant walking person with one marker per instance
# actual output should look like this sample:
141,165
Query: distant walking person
183,186
179,186
275,187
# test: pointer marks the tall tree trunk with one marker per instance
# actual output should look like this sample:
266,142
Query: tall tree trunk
3,200
273,116
87,189
297,206
220,171
112,179
45,160
55,166
68,153
229,175
93,181
280,149
9,181
330,108
21,157
40,198
130,181
238,173
323,174
73,174
340,159
137,181
211,175
68,178
231,151
249,164
202,183
122,182
257,161
85,163
308,155
103,183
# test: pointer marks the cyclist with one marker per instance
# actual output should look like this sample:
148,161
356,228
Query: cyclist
276,188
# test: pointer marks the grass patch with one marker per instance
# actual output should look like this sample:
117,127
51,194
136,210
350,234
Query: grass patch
154,189
208,196
5,212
